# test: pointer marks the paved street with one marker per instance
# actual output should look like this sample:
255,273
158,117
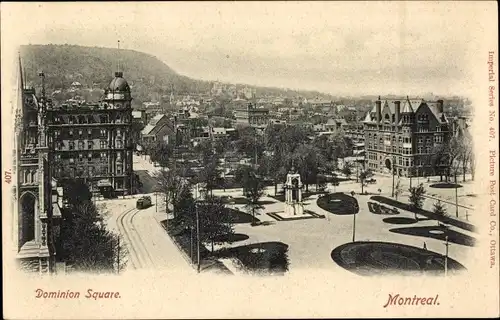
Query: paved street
148,244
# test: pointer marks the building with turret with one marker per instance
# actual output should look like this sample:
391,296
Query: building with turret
402,135
93,141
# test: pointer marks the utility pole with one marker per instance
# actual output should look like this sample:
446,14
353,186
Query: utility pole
393,164
446,257
197,235
354,221
411,175
118,257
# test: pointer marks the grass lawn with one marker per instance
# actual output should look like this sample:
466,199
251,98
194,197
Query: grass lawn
339,203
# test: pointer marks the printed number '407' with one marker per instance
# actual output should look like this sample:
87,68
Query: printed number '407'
8,177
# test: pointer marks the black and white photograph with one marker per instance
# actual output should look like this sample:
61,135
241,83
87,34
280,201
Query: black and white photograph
252,141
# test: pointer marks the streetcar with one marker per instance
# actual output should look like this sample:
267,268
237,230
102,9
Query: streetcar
144,202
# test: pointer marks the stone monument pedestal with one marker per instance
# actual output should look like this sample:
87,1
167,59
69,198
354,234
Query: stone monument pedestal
293,196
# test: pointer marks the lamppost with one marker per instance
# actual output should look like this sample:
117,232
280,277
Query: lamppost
447,244
411,174
354,219
456,199
393,173
197,230
197,236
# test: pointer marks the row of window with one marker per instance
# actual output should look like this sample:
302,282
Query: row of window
373,137
90,156
387,148
102,132
88,171
103,144
89,119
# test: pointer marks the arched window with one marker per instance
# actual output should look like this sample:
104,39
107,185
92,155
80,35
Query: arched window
33,176
27,176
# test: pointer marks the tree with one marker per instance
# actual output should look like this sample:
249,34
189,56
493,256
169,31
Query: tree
365,174
171,183
448,153
307,161
347,169
76,191
85,242
161,152
184,208
398,189
417,197
215,223
210,174
253,189
439,209
466,153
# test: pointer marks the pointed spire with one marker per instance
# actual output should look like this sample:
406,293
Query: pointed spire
21,71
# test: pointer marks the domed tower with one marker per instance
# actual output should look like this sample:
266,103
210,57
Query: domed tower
118,93
118,104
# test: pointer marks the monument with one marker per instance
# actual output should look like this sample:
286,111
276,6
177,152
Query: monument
293,194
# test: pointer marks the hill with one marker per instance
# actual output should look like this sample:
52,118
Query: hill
94,68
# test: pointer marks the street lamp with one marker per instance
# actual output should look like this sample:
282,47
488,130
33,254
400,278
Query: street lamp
447,244
393,173
354,219
456,199
197,229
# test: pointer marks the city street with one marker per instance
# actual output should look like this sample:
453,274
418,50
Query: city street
148,245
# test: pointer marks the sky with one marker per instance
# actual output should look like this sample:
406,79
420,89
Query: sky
341,48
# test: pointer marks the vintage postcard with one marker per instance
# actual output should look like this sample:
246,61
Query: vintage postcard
250,159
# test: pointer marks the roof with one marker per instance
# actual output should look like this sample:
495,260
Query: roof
407,106
152,124
119,84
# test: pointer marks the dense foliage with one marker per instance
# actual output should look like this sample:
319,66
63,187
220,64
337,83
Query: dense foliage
85,243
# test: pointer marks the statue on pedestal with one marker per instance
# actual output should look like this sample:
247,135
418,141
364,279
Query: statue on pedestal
293,194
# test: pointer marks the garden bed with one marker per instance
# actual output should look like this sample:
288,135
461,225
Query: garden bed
182,239
338,203
260,258
431,215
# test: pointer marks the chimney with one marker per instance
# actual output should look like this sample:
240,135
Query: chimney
397,111
379,109
440,106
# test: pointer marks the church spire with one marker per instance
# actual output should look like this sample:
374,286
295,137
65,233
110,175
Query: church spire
21,72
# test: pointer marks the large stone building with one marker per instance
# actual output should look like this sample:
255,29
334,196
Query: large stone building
93,141
403,134
252,116
37,199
